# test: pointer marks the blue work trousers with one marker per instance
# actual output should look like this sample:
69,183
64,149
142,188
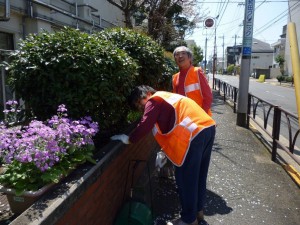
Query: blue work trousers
191,176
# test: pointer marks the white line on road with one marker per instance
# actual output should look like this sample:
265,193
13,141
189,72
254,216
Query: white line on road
276,94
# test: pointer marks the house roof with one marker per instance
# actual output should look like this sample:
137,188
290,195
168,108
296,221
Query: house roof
261,47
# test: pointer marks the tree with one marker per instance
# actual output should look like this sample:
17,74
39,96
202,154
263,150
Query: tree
280,60
167,20
197,55
128,7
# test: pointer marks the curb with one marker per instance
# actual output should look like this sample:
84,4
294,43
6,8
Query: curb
290,170
294,174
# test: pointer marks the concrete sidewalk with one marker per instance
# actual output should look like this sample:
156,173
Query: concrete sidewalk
244,185
274,81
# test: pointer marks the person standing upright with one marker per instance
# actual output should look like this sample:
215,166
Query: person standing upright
190,81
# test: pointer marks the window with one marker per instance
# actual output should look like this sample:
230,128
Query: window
6,44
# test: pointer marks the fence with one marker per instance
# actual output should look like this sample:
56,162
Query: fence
274,120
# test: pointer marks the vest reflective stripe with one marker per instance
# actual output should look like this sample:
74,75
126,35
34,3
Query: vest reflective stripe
190,120
187,122
192,87
154,130
174,98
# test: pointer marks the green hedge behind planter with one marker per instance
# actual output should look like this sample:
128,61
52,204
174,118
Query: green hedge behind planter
91,74
148,54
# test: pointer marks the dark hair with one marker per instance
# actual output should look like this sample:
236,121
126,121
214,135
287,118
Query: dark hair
138,93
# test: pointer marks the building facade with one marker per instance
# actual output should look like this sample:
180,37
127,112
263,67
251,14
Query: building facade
279,47
294,17
261,56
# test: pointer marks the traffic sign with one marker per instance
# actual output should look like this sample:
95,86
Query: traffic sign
209,22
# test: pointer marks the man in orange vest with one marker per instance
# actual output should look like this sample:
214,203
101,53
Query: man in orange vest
186,134
190,81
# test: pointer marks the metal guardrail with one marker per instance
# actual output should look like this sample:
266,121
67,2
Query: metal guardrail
272,114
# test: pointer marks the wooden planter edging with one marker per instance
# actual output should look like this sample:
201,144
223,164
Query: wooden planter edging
94,195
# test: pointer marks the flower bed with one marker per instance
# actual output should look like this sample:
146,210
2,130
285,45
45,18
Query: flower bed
43,152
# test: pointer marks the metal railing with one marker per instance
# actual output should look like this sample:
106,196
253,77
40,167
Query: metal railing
269,117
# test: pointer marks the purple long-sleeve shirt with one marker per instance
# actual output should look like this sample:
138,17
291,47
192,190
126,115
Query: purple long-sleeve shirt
156,111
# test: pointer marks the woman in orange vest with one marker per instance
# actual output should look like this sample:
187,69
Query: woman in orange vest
186,134
190,81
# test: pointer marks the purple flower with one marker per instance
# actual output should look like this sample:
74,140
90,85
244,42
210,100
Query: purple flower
46,143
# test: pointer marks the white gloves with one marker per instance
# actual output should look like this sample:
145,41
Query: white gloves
121,137
161,160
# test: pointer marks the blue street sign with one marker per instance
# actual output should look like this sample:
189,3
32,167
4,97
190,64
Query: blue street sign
246,51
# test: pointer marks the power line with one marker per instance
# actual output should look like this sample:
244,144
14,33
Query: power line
276,19
234,26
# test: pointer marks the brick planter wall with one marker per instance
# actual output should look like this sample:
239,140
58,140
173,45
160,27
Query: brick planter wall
95,197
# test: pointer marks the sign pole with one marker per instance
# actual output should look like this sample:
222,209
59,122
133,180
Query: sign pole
245,64
208,23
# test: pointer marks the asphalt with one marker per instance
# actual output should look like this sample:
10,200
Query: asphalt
244,185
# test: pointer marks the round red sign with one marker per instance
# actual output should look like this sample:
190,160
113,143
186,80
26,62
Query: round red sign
209,22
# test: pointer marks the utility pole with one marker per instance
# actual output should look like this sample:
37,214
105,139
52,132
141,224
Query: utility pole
214,58
205,62
208,23
234,50
242,105
234,55
223,58
223,64
215,53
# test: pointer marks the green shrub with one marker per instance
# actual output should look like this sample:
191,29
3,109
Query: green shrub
147,53
170,68
280,78
289,79
230,69
89,75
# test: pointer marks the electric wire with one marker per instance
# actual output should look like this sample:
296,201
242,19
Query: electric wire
221,8
276,19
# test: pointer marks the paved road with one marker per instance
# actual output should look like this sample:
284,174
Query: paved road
268,91
271,91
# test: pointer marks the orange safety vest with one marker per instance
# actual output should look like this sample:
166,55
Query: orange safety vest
190,118
192,88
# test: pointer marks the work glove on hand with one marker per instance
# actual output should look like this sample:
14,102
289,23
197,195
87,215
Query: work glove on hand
161,160
121,137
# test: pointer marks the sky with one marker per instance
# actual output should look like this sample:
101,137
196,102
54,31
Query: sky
269,18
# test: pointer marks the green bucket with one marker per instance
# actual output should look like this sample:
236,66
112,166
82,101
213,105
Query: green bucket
134,213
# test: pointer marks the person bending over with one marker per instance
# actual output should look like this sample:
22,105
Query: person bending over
186,133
